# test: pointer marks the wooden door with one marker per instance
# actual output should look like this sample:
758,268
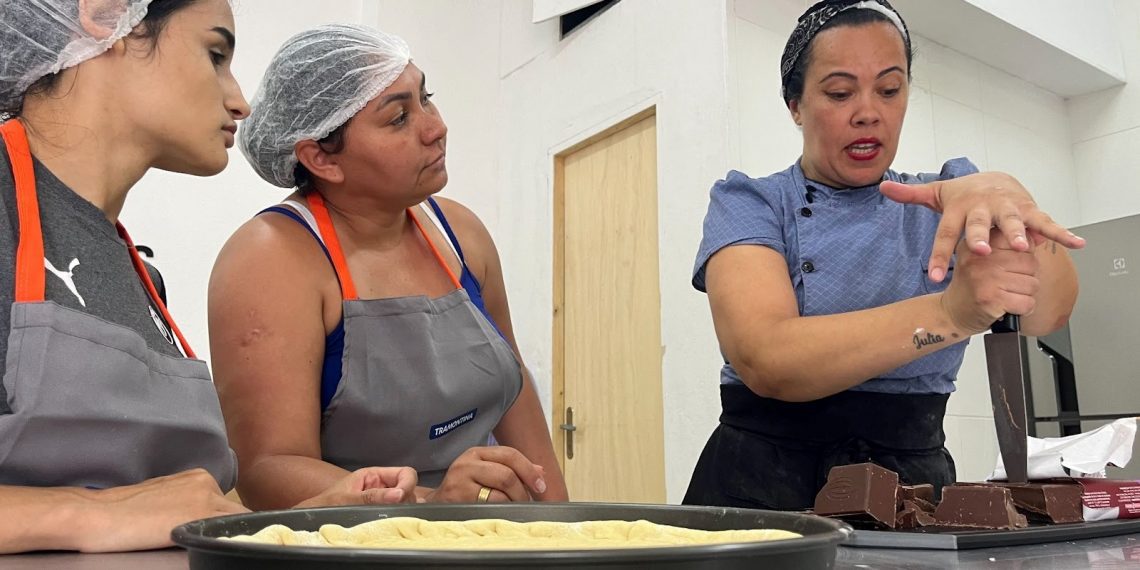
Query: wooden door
608,424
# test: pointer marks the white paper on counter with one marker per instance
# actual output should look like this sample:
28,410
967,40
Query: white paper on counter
1081,455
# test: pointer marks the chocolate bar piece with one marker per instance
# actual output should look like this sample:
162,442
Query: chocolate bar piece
1049,503
1057,503
912,515
912,492
863,491
925,505
978,506
921,495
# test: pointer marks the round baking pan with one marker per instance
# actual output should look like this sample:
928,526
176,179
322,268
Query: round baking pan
816,549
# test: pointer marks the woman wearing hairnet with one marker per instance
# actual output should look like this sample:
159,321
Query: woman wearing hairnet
361,321
110,429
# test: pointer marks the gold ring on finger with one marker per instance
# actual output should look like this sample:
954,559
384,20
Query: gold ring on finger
484,495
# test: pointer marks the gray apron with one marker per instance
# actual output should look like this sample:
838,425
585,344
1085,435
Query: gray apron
92,405
422,381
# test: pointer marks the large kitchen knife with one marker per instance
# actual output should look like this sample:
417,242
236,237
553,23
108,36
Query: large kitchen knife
1007,366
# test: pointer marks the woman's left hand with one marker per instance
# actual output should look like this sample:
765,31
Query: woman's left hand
977,203
490,474
369,486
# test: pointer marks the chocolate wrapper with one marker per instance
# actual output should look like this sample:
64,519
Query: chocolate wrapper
1082,455
1106,499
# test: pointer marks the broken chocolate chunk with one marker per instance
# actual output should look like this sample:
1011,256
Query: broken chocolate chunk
978,506
925,505
912,492
1044,502
913,516
863,491
918,505
921,495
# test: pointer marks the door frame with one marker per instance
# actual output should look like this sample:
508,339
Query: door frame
558,275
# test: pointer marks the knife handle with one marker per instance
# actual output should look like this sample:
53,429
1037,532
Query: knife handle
1008,323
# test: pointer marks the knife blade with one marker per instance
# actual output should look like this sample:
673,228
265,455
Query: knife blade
1007,364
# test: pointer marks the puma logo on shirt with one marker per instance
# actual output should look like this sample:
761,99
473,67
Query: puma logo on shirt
67,277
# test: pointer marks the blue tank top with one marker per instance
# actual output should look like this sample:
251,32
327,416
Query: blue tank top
334,342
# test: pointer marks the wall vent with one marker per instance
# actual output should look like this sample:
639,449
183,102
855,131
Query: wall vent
571,21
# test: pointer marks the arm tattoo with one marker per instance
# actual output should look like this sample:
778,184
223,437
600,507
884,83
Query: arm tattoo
923,338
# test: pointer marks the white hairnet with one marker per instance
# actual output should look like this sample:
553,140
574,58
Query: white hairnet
42,37
319,80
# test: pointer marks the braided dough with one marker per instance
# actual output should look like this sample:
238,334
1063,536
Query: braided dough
409,533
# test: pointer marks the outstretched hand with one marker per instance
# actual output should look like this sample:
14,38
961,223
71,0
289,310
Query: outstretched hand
975,204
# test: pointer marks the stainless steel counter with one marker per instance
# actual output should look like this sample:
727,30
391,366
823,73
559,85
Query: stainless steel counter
1102,553
1113,552
170,559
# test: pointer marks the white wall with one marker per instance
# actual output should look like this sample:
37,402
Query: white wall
456,45
958,107
1075,27
1058,45
1106,133
634,54
716,111
514,95
186,219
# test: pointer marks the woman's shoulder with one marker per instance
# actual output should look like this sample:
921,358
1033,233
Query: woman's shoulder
268,228
473,236
457,214
737,182
738,194
271,240
465,223
951,169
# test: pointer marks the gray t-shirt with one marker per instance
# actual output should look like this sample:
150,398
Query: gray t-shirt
87,264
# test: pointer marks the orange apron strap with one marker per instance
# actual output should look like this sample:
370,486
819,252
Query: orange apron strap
144,276
30,251
30,271
435,250
328,233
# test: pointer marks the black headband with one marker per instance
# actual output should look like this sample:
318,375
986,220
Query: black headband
816,17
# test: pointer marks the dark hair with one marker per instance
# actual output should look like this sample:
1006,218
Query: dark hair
332,143
158,15
853,18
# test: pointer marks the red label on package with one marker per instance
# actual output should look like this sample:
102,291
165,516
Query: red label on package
1105,499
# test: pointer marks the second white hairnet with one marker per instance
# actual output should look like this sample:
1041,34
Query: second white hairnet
315,83
42,37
